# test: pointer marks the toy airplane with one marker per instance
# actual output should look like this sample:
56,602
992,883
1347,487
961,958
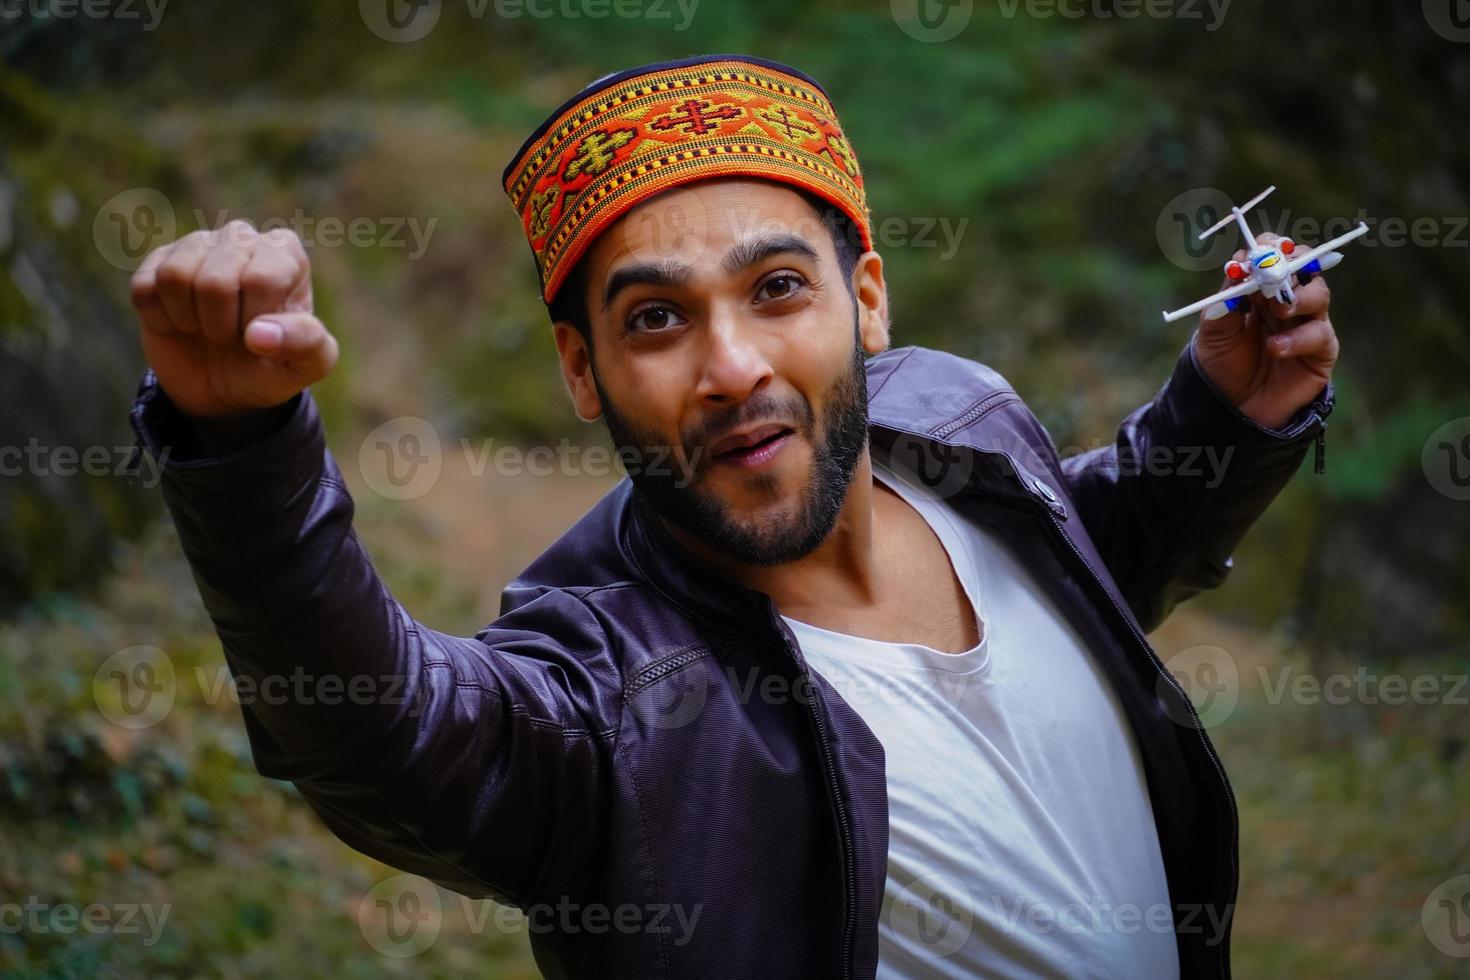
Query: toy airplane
1267,268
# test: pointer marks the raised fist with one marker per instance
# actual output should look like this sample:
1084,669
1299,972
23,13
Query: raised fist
227,320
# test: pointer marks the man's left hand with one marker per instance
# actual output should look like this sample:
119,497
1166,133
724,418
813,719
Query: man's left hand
1273,358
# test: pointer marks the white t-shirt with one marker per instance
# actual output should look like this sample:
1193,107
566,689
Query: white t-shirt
1021,839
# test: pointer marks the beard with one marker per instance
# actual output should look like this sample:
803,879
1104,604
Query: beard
768,541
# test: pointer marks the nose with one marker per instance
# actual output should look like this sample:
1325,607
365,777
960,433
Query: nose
734,364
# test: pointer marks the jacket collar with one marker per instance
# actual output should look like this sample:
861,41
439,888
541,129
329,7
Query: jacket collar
913,425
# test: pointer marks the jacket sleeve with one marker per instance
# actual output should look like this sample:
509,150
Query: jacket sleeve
1168,502
471,761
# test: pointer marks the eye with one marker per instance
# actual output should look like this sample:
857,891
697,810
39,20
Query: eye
652,319
782,285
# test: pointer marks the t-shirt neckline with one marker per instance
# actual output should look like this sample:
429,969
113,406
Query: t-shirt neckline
891,654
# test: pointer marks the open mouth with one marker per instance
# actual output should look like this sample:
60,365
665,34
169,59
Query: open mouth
756,453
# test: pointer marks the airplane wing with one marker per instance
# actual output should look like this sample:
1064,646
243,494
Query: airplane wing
1224,296
1235,212
1300,261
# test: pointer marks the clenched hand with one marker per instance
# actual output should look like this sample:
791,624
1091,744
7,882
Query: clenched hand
227,320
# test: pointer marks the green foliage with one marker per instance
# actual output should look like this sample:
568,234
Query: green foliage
1388,448
1351,815
173,817
1050,144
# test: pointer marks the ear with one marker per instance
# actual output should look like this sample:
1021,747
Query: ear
872,301
576,369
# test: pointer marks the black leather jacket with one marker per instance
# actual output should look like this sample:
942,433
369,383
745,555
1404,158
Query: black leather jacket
638,730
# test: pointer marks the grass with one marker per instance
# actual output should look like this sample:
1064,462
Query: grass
1351,814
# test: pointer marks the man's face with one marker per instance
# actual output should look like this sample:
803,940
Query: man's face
727,350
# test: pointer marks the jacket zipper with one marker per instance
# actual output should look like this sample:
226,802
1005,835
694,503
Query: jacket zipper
819,707
1142,643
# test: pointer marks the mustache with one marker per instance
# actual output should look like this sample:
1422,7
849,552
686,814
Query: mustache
795,412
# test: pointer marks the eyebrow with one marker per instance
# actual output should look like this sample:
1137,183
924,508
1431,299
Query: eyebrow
755,250
666,274
669,274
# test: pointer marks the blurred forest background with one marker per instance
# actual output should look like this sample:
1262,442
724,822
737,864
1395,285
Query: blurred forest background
1071,153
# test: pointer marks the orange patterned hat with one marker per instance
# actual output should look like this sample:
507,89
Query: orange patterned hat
636,133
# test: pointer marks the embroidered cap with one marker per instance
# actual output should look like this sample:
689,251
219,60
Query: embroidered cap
631,135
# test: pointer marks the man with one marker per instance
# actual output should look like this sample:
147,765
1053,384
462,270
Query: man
671,732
